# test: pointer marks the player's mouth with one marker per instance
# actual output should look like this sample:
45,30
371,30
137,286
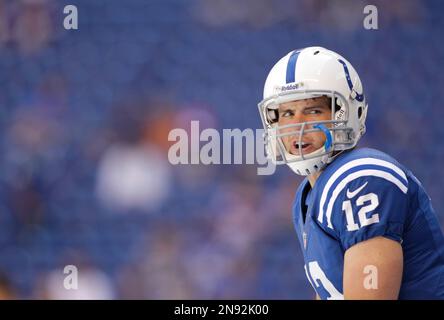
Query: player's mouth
302,147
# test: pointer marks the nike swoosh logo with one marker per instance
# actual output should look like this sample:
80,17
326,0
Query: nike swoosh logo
354,193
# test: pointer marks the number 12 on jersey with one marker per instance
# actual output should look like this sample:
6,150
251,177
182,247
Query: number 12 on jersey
373,202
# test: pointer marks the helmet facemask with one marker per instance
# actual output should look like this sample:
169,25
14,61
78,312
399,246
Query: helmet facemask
338,135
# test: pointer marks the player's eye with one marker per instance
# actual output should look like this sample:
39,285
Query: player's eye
287,113
314,111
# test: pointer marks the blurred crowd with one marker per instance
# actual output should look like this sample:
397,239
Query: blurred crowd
84,121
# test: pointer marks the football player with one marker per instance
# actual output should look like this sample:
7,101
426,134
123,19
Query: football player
366,225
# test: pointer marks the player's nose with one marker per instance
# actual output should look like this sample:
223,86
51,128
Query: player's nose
298,117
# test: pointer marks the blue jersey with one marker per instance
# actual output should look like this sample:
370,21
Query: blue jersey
363,194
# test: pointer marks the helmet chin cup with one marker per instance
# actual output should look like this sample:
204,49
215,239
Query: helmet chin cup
312,165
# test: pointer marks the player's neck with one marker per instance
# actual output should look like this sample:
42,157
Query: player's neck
313,177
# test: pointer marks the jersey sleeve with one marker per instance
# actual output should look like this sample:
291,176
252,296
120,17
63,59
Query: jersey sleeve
369,206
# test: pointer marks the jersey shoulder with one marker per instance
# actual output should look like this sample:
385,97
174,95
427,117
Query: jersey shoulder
362,163
363,156
363,193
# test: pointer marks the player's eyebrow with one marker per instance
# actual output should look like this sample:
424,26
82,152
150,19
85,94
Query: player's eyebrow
285,109
317,106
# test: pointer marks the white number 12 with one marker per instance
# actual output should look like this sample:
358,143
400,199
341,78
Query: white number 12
362,213
319,278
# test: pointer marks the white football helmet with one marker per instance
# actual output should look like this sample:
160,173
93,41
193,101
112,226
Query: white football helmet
309,73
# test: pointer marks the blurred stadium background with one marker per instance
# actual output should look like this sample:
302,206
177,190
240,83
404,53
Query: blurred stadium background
84,121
